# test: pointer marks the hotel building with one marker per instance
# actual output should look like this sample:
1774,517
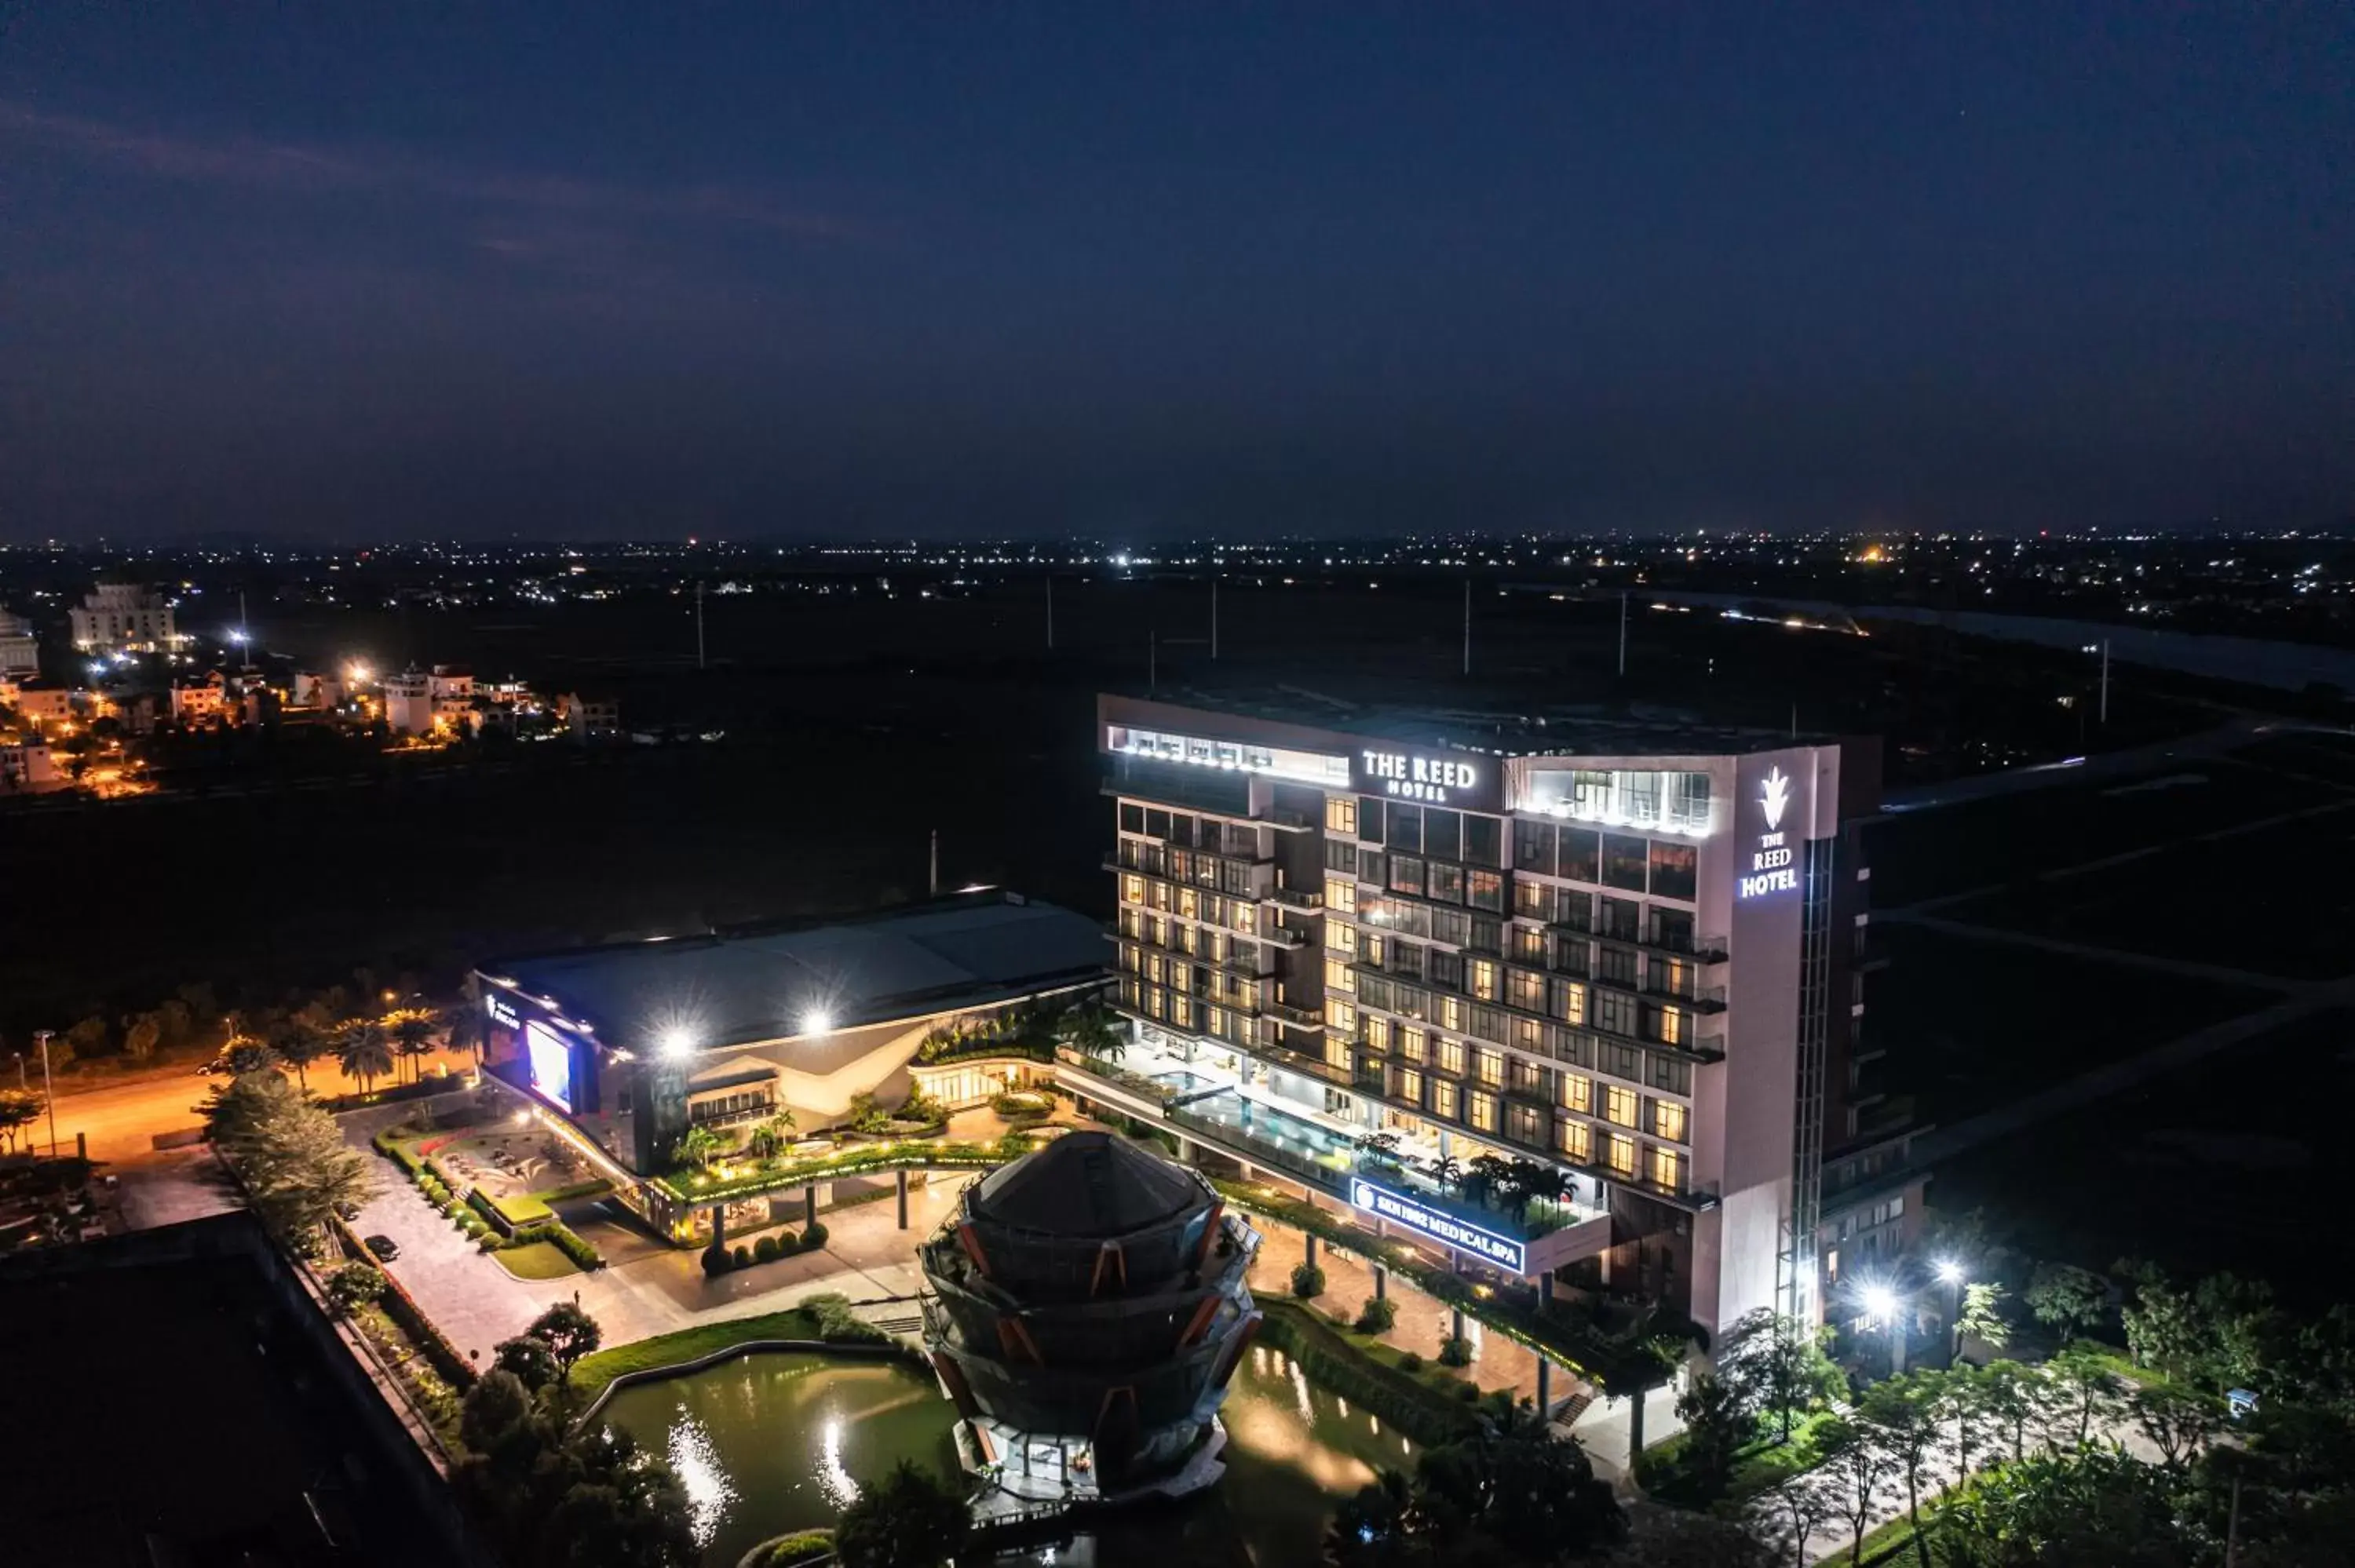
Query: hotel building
1628,956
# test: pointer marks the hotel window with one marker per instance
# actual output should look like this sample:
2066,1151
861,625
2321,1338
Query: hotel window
1485,890
1214,1021
1413,1044
1527,989
1377,1031
1484,840
1189,904
1246,918
1619,1106
1675,870
1341,814
1614,1012
1443,1099
1451,1057
1675,1026
1341,1016
1450,926
1616,965
1156,822
1341,855
1340,938
1488,936
1484,1111
1573,956
1524,1124
1405,824
1132,889
1410,1085
1525,1078
1533,900
1668,1120
1625,862
1580,855
1341,894
1621,1157
1578,1092
1406,874
1487,1022
1529,944
1446,968
1488,1066
1529,1034
1131,817
1621,920
1443,834
1181,1012
1451,1014
1370,819
1533,847
1567,1000
1339,976
1337,1052
1666,1170
1576,1141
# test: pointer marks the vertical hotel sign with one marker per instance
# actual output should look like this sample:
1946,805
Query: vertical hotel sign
1770,864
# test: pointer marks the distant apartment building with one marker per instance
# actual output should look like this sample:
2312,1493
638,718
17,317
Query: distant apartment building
420,702
20,651
38,703
1631,954
590,718
124,618
314,690
200,702
29,769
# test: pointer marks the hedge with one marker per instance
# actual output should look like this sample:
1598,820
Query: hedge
1414,1407
801,1546
398,1305
564,1238
595,1187
520,1212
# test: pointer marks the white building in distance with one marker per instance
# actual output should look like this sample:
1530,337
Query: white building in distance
124,618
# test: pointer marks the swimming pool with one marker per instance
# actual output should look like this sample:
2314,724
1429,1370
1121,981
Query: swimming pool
1264,1123
1185,1083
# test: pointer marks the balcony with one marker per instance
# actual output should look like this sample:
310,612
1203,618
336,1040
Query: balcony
1294,898
1284,936
1706,998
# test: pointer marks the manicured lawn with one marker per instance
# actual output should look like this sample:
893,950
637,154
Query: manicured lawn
534,1260
593,1373
1768,1463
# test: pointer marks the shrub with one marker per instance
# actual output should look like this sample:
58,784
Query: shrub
767,1250
813,1237
575,1189
453,1209
355,1284
715,1261
435,1193
739,1257
839,1325
1455,1351
1376,1316
1468,1392
1409,1360
799,1547
1307,1280
569,1241
491,1241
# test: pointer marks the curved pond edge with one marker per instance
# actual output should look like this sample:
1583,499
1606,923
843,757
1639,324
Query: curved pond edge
726,1354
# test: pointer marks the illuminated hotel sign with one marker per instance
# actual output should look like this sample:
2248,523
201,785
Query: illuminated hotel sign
1378,1199
1416,778
502,1011
1771,857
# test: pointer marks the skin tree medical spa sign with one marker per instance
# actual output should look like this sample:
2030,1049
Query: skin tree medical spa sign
1400,1209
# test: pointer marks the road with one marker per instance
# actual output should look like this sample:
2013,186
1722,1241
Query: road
122,1121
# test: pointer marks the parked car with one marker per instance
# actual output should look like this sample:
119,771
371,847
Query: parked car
384,1249
345,1210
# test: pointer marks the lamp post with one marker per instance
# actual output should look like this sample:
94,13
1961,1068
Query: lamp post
1950,1275
1881,1303
41,1038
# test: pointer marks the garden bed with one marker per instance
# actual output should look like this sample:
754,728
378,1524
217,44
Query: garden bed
534,1260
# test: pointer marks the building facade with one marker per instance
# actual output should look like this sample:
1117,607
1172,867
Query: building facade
1621,955
124,618
20,649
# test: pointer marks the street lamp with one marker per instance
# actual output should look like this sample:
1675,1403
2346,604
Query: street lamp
677,1044
1950,1275
41,1038
1881,1303
816,1022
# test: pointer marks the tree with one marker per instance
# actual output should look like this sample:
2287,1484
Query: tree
569,1333
2177,1420
462,1029
142,1034
1983,1317
1094,1030
1794,1511
2066,1298
1853,1469
411,1030
2014,1399
1776,1365
1716,1425
355,1284
1379,1149
2217,1333
907,1520
529,1360
2080,1388
363,1052
246,1054
700,1147
1534,1495
1383,1527
493,1407
1963,1398
1448,1171
290,1154
590,1501
2095,1508
1901,1416
299,1041
19,1109
1484,1178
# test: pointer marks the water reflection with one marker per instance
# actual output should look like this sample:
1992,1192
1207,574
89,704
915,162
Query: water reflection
701,1474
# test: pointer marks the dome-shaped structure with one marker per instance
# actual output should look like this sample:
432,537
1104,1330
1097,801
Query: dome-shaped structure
1088,1308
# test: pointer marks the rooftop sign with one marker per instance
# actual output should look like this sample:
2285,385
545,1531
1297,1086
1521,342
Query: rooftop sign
1376,1199
1446,779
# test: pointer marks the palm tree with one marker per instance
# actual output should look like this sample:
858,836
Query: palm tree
1486,1180
1379,1149
364,1053
701,1146
299,1043
1543,1183
1448,1171
1090,1028
412,1035
461,1028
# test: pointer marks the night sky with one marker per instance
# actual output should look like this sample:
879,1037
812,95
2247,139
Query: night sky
1136,271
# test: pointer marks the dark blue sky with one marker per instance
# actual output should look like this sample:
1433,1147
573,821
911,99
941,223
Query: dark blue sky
802,270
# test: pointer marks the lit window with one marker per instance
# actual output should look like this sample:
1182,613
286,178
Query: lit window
1413,1045
1622,1155
1619,1106
1668,1120
1342,1016
1341,894
1451,1057
1337,1052
1378,1032
1578,1092
1410,1085
1337,976
1443,1099
1484,1110
1484,979
1490,1068
1132,889
1577,1142
1666,1169
1341,814
1340,938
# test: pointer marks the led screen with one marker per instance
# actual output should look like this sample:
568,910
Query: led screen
551,1063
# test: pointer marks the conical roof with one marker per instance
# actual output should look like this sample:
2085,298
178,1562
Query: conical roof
1087,1184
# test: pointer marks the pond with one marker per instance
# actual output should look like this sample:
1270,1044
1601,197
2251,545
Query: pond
775,1443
